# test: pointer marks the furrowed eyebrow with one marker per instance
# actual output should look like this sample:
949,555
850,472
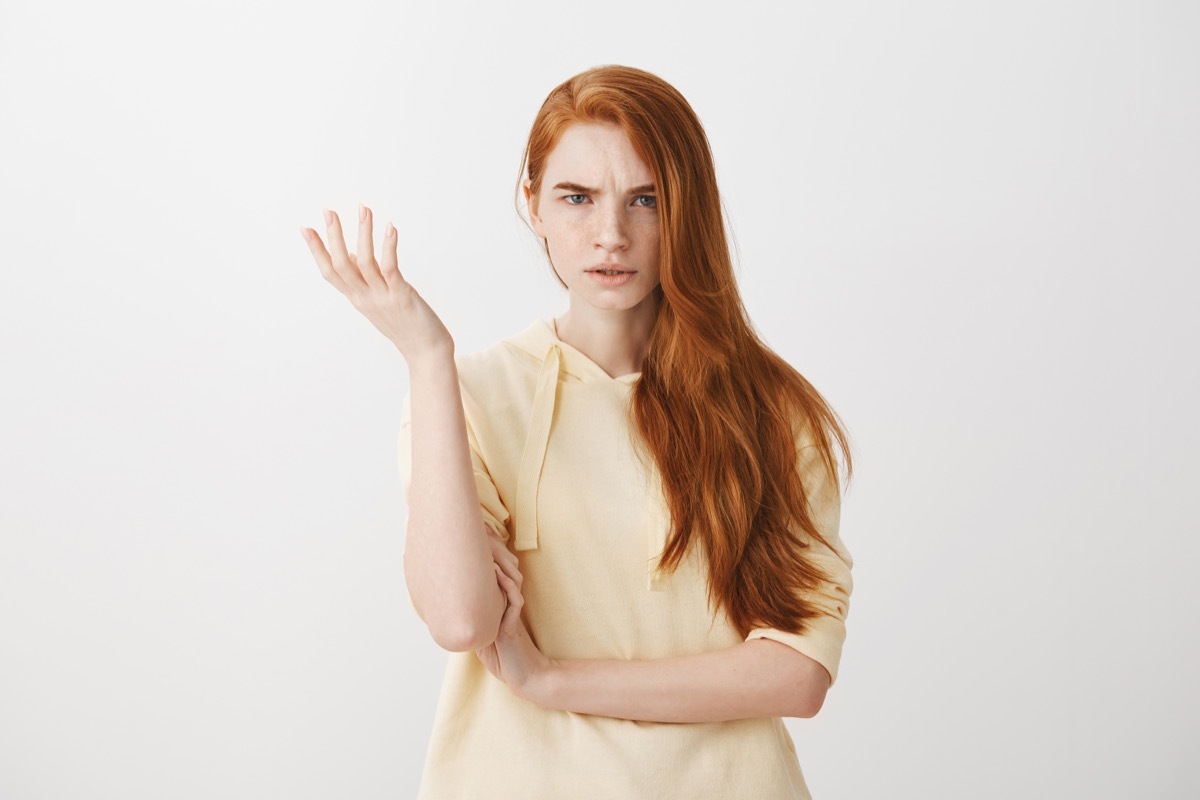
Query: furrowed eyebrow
574,187
646,188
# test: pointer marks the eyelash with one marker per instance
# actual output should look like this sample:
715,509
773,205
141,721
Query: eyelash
653,201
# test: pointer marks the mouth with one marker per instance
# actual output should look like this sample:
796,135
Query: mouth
611,271
611,277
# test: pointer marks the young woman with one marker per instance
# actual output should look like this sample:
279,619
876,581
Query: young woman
625,517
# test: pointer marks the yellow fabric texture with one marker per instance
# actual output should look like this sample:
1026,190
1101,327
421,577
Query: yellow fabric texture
561,477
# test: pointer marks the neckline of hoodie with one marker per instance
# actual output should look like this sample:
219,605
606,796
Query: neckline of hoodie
628,379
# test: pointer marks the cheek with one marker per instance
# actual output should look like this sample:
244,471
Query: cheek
654,251
559,241
650,237
562,234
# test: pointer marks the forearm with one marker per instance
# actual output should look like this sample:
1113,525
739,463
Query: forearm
758,678
447,560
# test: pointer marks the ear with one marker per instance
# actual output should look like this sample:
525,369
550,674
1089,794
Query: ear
531,201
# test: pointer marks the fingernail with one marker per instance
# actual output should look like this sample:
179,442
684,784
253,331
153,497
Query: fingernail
328,217
362,212
304,233
390,232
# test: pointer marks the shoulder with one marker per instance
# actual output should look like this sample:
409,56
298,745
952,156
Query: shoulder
493,366
480,365
504,372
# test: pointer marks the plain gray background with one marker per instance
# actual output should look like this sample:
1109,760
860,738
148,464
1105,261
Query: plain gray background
973,226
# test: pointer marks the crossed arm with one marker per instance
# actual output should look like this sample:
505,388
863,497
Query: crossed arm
448,570
756,678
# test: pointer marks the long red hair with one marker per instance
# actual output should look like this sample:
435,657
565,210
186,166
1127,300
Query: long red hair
724,417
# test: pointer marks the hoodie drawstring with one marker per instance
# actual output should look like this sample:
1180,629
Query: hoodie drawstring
534,455
529,476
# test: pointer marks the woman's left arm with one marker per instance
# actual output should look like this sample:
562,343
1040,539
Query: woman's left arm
756,678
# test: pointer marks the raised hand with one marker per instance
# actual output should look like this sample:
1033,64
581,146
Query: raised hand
377,289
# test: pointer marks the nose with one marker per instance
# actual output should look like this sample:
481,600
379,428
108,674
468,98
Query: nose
611,233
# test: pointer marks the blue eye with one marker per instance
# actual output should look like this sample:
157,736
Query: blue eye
651,201
571,198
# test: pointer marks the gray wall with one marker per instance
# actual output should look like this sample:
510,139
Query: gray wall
973,227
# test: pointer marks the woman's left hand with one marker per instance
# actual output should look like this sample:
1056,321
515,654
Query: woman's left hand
513,657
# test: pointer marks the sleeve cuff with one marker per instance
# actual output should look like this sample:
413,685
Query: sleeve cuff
822,642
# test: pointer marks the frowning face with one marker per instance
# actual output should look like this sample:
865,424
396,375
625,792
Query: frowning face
597,211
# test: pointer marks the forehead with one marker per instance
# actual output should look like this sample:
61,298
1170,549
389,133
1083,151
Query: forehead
594,154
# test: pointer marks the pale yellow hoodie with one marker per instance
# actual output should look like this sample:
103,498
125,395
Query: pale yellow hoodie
561,476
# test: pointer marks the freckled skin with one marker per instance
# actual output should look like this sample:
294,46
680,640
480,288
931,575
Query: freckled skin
608,224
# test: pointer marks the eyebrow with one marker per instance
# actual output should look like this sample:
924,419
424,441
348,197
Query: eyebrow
645,188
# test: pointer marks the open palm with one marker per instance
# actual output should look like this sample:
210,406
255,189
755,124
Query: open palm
377,289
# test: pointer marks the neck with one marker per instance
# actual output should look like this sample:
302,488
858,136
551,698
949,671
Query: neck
616,340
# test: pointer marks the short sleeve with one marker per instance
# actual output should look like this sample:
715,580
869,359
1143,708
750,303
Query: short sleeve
822,641
495,515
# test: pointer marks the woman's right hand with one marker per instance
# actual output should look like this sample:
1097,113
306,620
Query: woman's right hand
379,291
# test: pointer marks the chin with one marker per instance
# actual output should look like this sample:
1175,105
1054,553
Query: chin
612,302
582,288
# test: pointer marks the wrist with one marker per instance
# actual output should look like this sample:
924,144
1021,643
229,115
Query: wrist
434,361
543,685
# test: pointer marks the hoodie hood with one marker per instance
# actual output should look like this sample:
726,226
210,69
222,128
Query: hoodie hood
561,362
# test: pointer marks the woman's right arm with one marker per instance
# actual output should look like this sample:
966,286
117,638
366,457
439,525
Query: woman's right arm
447,558
448,562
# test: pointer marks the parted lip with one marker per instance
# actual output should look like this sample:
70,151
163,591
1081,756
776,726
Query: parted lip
610,266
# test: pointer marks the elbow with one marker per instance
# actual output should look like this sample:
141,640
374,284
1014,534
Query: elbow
461,635
808,702
456,621
460,629
798,682
807,694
